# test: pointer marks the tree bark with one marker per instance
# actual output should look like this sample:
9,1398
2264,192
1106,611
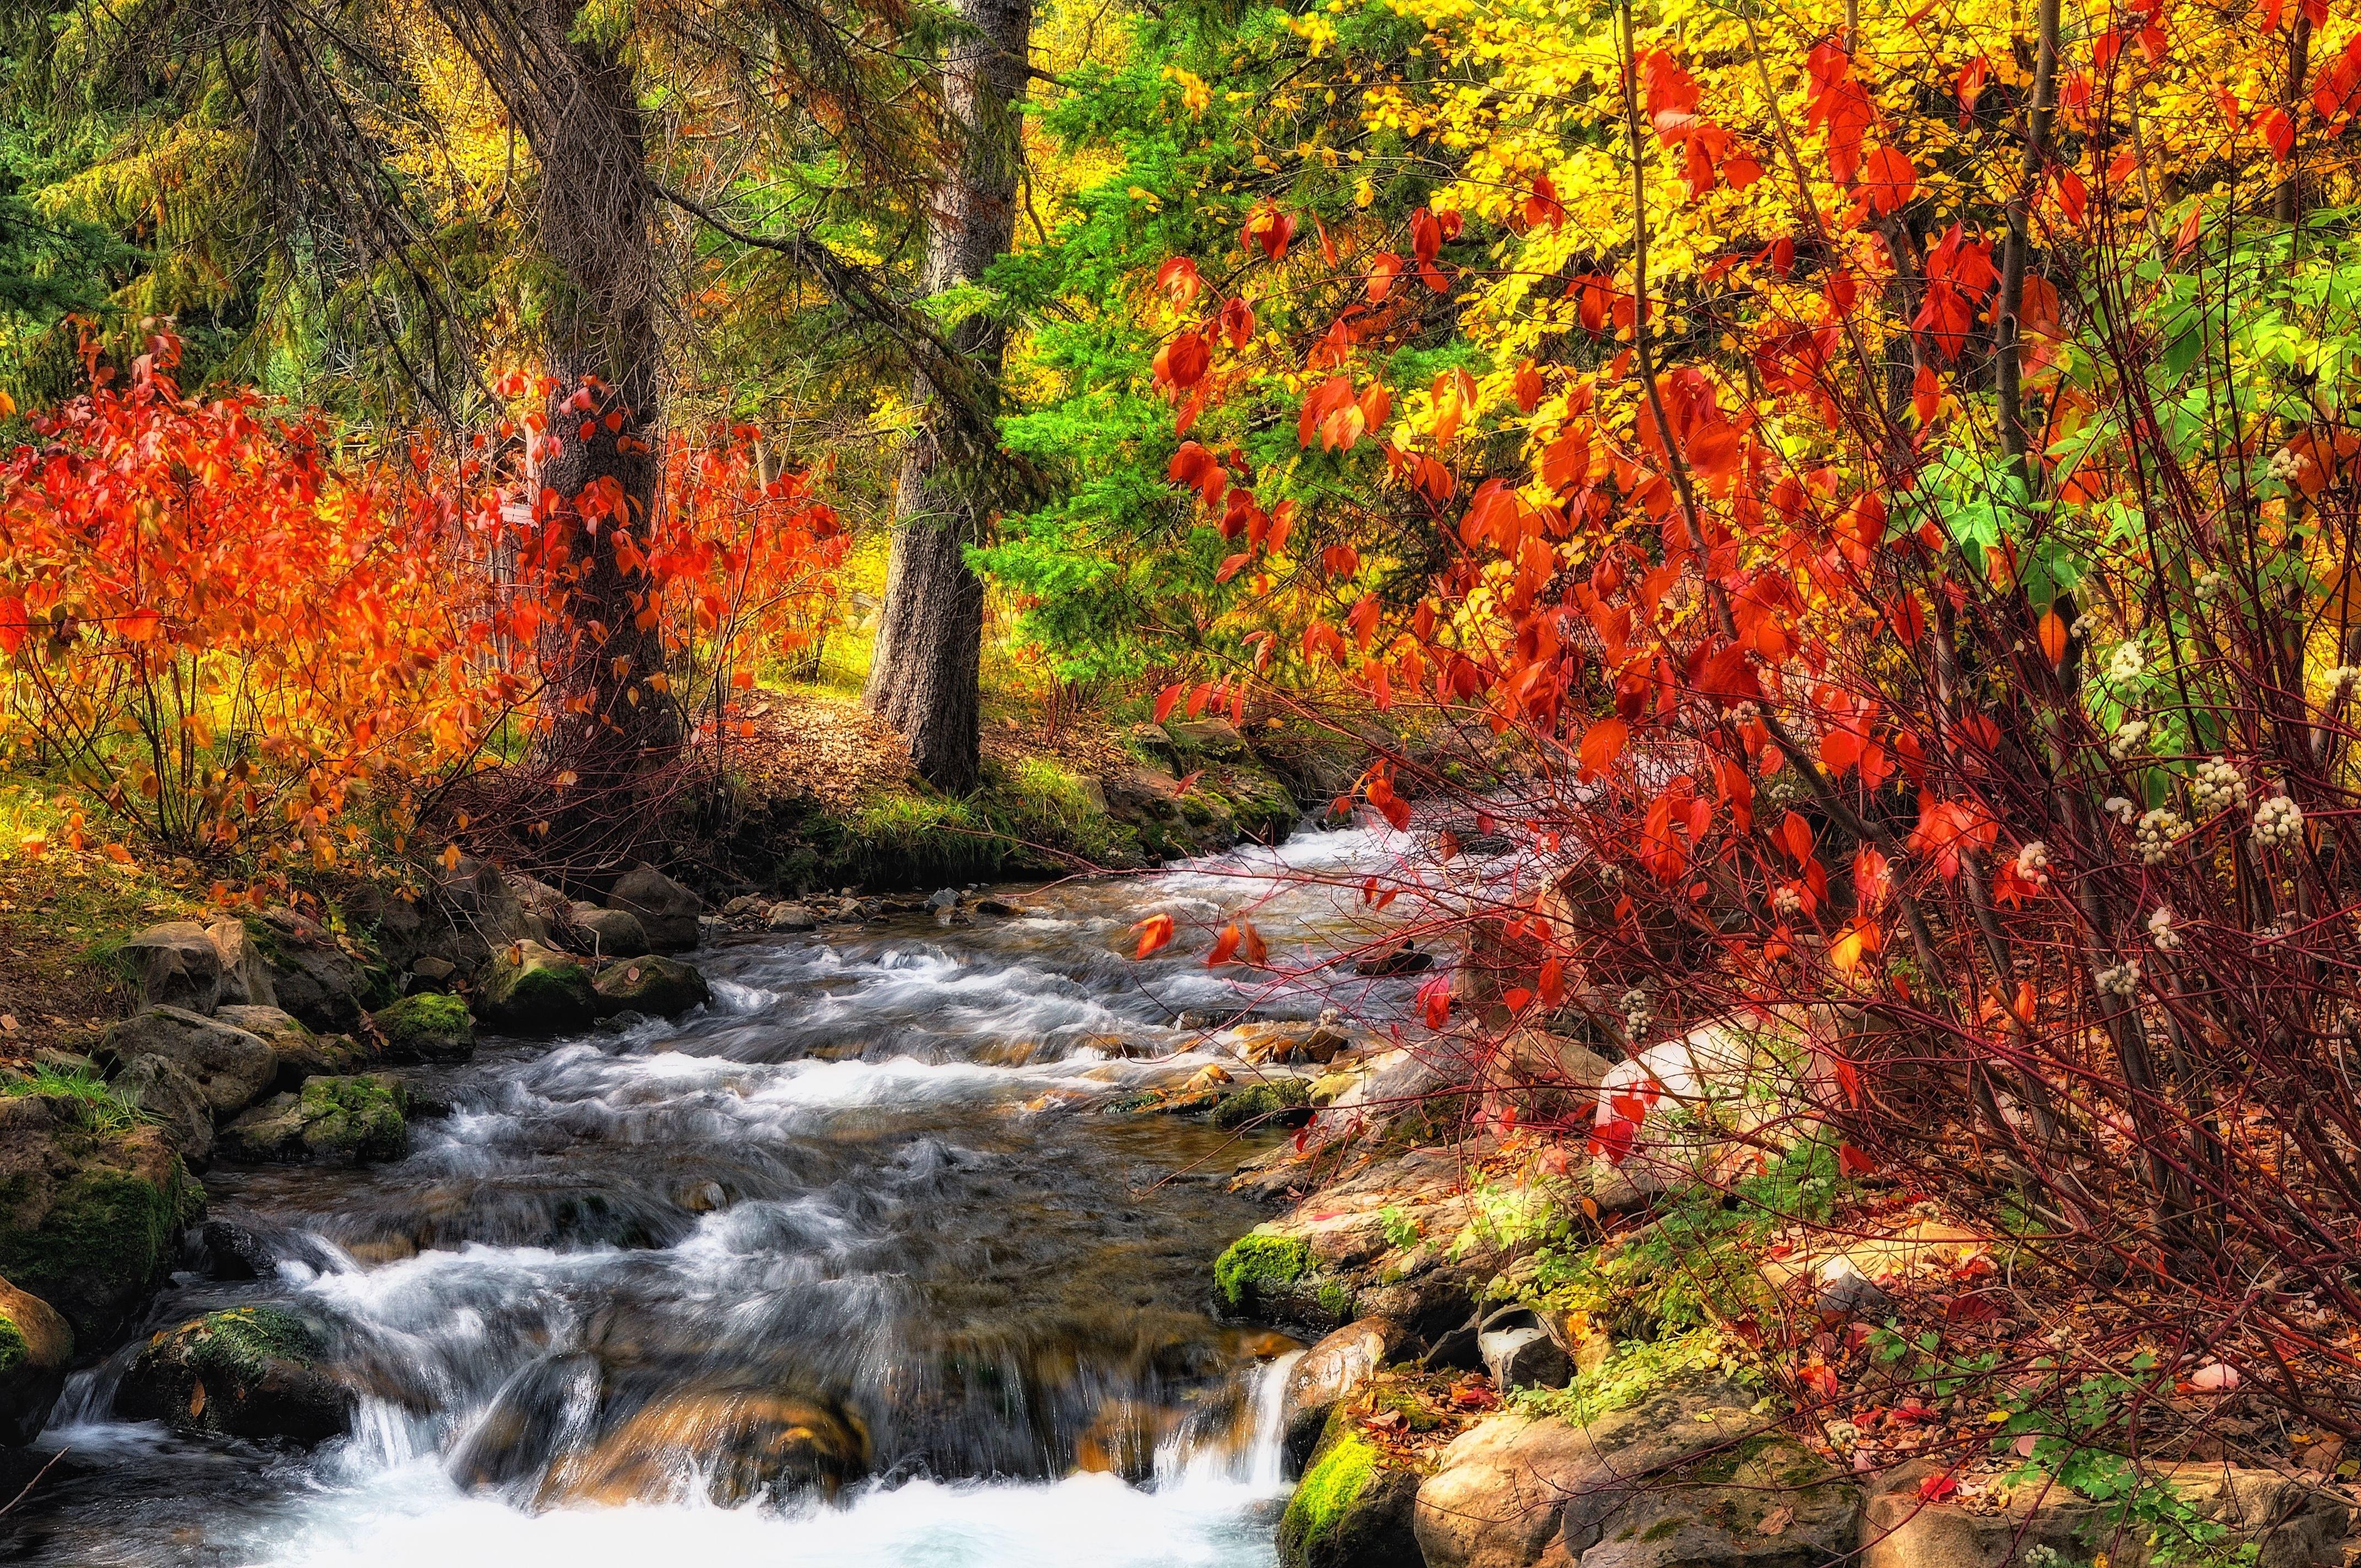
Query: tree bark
922,678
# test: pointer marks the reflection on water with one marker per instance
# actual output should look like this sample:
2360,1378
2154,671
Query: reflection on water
848,1268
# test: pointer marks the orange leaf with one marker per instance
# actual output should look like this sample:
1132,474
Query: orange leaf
1888,180
2053,638
1154,932
1602,743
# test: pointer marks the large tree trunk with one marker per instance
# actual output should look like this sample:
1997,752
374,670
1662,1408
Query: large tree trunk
931,633
615,716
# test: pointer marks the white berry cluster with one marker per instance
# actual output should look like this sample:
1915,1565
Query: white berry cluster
2278,822
2286,464
2216,787
2121,809
2161,930
2209,586
2127,739
2121,979
2128,663
1787,901
1636,1013
2033,864
2159,833
1611,873
1746,713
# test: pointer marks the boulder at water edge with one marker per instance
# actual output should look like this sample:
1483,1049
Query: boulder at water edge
1353,1508
36,1353
428,1027
1512,1487
528,989
1333,1370
91,1204
667,912
660,987
608,933
734,1444
332,1121
176,965
231,1066
250,1372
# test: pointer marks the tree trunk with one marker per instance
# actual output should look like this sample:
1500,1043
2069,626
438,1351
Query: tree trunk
931,633
600,479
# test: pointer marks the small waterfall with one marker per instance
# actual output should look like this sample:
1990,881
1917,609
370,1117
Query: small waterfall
1240,1442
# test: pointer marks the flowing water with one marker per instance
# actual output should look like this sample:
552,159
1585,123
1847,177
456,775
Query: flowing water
851,1268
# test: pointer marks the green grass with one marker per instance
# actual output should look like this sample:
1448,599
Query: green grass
95,1103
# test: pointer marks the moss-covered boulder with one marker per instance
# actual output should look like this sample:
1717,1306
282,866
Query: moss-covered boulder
528,989
331,1121
251,1372
1352,1508
1273,1102
659,987
1259,1270
92,1201
36,1353
428,1027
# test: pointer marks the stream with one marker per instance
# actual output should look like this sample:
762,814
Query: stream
851,1267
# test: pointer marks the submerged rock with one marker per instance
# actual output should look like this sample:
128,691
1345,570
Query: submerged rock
428,1027
332,1121
36,1353
531,990
250,1372
739,1444
1277,1102
659,987
91,1207
229,1066
666,910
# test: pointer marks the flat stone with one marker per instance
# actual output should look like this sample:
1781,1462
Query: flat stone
229,1066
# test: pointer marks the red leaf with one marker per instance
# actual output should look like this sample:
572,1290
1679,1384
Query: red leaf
1166,701
1934,1488
1853,1162
1888,180
1154,932
1435,1001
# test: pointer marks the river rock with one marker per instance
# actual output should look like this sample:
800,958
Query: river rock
230,1066
91,1209
250,1372
244,972
528,989
428,1027
610,933
1714,1514
656,986
332,1121
36,1353
666,910
177,965
174,1101
1273,1102
2290,1524
793,918
1512,1487
302,1053
1336,1369
1354,1508
739,1444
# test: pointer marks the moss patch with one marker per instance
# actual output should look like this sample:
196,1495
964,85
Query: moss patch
105,1235
353,1119
1256,1264
13,1349
430,1024
239,1344
1326,1495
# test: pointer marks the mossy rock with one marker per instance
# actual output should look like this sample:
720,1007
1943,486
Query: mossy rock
36,1353
250,1372
1352,1509
91,1216
528,989
1257,1268
331,1121
1277,1101
663,988
428,1027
